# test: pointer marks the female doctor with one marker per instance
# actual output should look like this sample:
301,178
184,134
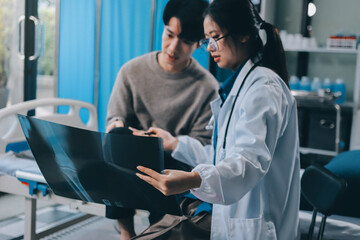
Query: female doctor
251,171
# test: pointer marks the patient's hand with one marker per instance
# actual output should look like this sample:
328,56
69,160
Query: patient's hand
170,142
114,124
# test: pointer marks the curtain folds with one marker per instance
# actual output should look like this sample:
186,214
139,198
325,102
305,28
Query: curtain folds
124,34
77,50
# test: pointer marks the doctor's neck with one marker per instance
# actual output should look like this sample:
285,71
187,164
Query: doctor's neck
244,51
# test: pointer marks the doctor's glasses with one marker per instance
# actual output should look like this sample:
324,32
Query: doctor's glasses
212,42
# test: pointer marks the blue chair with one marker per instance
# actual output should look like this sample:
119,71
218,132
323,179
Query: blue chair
347,166
323,190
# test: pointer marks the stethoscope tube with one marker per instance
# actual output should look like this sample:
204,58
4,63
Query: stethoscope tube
233,105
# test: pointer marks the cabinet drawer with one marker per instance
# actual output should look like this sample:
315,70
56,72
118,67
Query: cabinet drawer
317,128
322,132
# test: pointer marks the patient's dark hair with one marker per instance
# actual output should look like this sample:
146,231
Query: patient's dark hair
240,18
190,14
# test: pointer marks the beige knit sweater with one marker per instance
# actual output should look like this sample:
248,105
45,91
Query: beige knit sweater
144,95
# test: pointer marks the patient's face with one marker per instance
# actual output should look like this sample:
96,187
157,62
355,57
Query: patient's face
175,52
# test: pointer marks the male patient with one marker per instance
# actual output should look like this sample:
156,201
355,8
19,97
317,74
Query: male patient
167,89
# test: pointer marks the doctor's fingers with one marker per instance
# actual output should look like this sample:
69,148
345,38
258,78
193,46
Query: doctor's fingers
162,182
149,172
150,181
153,178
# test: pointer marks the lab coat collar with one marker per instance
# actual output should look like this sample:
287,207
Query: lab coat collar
215,107
240,78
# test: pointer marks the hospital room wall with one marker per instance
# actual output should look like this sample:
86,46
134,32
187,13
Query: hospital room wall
96,41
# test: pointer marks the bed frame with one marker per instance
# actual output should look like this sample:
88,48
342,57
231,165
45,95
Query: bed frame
10,132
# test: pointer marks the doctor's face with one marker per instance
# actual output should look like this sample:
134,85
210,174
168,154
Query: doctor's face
226,54
175,52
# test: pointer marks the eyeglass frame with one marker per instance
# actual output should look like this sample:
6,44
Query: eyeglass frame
212,42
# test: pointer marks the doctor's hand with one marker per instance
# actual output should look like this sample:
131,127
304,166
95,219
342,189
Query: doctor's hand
171,181
170,142
114,124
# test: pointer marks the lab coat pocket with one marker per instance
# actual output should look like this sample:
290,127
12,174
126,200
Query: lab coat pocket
251,229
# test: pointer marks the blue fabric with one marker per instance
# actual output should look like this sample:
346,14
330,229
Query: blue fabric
215,140
17,147
202,57
159,24
203,207
229,83
347,166
125,34
77,51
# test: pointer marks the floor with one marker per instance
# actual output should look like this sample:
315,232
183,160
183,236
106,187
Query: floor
94,228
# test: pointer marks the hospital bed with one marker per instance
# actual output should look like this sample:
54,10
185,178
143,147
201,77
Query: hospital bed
337,227
20,175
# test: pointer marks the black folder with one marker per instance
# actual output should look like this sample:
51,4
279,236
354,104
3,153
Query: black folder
98,167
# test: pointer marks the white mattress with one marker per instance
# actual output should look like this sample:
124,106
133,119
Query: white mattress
11,162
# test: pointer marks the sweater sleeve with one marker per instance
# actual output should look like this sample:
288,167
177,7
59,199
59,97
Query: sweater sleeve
120,102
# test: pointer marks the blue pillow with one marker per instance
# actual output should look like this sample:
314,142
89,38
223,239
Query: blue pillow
17,147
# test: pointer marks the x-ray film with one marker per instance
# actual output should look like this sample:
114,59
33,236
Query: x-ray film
97,167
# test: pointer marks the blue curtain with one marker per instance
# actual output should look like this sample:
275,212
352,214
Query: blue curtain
125,32
159,25
77,50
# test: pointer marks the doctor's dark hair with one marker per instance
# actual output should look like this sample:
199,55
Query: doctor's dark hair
190,14
240,18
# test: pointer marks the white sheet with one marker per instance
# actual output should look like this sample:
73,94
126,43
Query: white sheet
11,162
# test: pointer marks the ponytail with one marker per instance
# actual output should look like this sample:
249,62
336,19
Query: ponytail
273,54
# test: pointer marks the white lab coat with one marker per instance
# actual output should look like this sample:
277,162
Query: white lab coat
255,184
